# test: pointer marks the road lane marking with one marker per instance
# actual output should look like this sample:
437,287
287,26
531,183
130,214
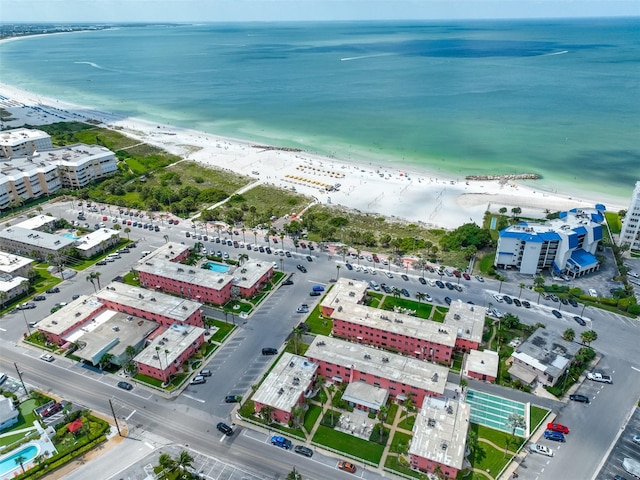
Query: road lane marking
130,415
193,398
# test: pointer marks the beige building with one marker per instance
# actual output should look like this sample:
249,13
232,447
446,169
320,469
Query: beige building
23,141
15,265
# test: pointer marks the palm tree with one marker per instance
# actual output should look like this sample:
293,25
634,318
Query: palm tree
421,296
382,416
521,285
255,237
105,359
296,337
338,271
501,279
20,461
166,463
243,257
342,250
514,421
184,461
91,279
96,275
588,336
166,238
569,335
127,230
265,413
395,291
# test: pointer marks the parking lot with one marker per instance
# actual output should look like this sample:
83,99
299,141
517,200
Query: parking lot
623,448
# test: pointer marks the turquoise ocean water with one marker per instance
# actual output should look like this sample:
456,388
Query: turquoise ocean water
558,98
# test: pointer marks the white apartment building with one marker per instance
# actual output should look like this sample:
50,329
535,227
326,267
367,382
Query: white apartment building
630,233
23,141
565,245
72,166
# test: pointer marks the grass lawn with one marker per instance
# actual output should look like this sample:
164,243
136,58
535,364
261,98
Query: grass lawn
400,442
407,422
439,313
319,324
423,310
457,362
614,222
393,463
224,329
311,417
364,449
393,410
536,415
488,459
102,136
497,437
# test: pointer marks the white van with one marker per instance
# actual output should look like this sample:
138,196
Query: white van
593,293
145,252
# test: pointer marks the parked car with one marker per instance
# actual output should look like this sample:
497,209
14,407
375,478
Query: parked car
556,313
302,309
447,300
302,450
558,427
309,258
53,290
439,284
422,280
39,298
576,397
526,304
46,357
26,306
125,385
269,351
636,439
288,282
541,449
224,428
101,262
507,299
346,466
405,292
517,302
573,303
198,380
404,277
301,268
232,399
318,288
389,274
580,321
479,278
281,442
53,409
555,436
466,276
313,293
205,372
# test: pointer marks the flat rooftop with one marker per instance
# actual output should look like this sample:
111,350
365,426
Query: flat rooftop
248,274
344,291
9,263
18,136
74,155
36,222
157,303
111,332
184,273
288,379
60,321
172,342
95,238
440,432
376,362
168,251
9,282
466,320
396,323
484,363
35,238
546,351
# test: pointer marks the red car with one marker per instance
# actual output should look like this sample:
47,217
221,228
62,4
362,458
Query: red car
466,276
558,427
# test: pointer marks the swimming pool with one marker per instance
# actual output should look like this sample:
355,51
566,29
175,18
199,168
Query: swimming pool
8,464
70,235
217,267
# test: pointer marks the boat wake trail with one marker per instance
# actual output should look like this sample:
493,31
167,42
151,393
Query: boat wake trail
346,59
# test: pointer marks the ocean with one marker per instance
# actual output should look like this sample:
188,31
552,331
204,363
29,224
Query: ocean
559,98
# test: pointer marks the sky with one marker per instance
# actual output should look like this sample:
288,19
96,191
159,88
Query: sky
117,11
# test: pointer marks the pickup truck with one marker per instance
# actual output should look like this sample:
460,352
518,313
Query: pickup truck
598,377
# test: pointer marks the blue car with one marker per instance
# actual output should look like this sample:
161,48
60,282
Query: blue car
281,442
555,436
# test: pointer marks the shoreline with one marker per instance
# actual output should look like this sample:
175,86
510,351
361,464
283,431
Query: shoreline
401,192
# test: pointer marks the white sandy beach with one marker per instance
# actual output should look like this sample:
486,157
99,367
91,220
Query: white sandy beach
411,195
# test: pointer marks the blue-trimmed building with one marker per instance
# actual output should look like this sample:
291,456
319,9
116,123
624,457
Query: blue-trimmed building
566,245
630,234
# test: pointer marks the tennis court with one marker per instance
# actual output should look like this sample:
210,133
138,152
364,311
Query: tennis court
493,411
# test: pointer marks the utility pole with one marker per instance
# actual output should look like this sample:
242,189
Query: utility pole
115,419
20,377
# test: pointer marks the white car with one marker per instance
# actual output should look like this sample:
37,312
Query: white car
636,439
388,274
498,298
46,357
541,449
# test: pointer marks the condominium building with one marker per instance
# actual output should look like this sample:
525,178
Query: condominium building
80,164
467,321
630,234
439,437
33,243
566,245
22,178
23,141
285,387
97,242
12,287
387,375
15,265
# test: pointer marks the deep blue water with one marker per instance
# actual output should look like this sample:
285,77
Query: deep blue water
557,98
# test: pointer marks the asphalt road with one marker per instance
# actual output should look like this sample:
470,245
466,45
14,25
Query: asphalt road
190,419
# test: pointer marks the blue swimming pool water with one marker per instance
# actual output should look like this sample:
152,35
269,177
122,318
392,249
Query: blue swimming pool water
70,235
216,267
9,463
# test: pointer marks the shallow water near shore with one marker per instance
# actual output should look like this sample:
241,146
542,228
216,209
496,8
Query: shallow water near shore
555,98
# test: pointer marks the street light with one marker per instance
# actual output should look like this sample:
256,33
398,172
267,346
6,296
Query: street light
26,322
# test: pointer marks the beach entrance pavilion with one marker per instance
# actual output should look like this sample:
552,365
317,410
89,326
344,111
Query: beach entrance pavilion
493,411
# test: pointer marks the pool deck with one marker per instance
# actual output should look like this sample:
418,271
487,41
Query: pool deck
43,444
